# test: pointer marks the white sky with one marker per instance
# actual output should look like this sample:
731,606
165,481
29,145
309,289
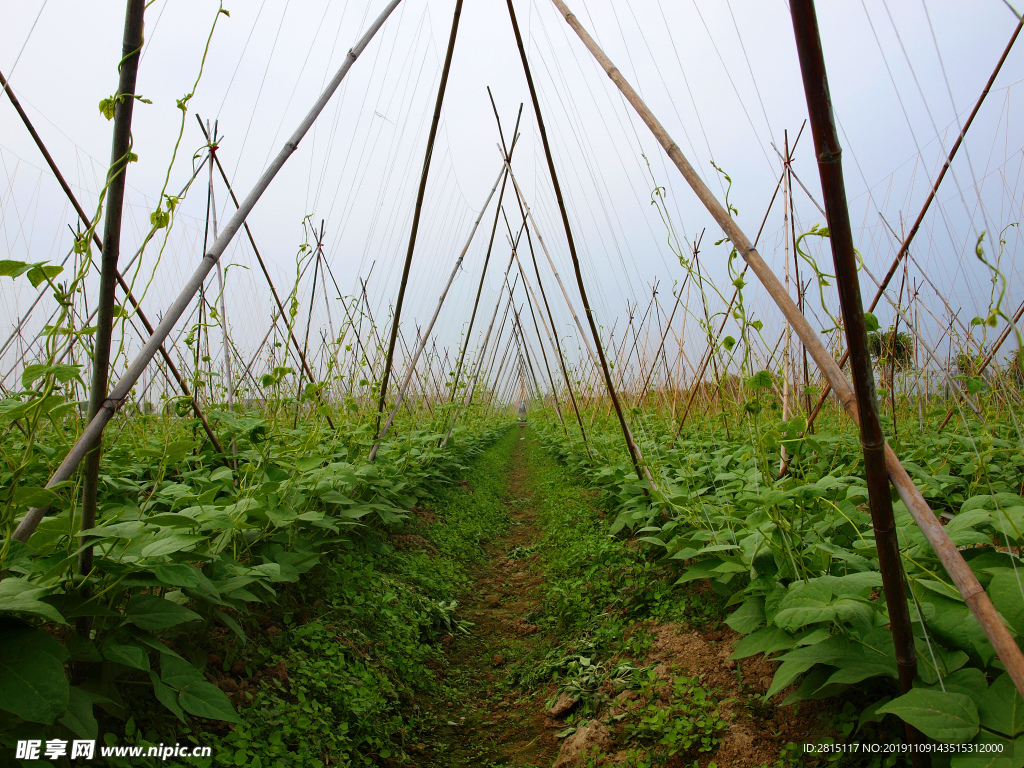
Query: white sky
722,76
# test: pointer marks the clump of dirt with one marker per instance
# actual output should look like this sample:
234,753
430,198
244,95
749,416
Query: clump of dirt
425,515
589,739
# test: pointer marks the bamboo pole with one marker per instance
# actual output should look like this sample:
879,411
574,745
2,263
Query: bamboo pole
705,359
121,390
388,362
966,582
830,168
467,400
924,208
635,455
120,279
544,354
551,333
664,336
226,347
525,349
309,316
124,102
487,257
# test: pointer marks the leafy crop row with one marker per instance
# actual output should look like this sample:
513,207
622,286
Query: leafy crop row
188,540
796,557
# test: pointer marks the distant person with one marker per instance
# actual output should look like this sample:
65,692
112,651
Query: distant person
522,412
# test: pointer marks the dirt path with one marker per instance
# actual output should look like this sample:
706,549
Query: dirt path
481,720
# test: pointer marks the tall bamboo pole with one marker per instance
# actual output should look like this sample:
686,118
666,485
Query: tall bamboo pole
830,168
487,258
416,215
437,311
544,354
266,274
131,48
120,279
787,361
467,400
552,333
635,454
904,248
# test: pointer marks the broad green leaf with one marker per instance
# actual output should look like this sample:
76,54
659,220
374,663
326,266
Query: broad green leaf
787,672
40,273
792,619
150,612
177,673
172,520
222,474
948,661
31,673
1002,708
207,700
940,715
861,670
79,718
128,654
836,652
26,496
9,268
1005,592
760,380
185,575
955,625
748,616
969,681
940,588
17,595
813,592
166,696
701,570
175,542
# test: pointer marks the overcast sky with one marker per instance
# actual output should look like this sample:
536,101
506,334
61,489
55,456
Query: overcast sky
722,76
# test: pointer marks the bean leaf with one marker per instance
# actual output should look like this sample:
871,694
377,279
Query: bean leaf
941,715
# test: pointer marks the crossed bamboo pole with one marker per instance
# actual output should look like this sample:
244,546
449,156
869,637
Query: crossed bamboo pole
966,582
437,311
905,247
116,397
119,277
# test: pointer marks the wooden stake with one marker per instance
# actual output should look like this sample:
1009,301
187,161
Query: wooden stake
830,168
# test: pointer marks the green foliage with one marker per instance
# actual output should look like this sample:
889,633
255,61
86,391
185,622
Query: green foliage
185,544
688,723
795,555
